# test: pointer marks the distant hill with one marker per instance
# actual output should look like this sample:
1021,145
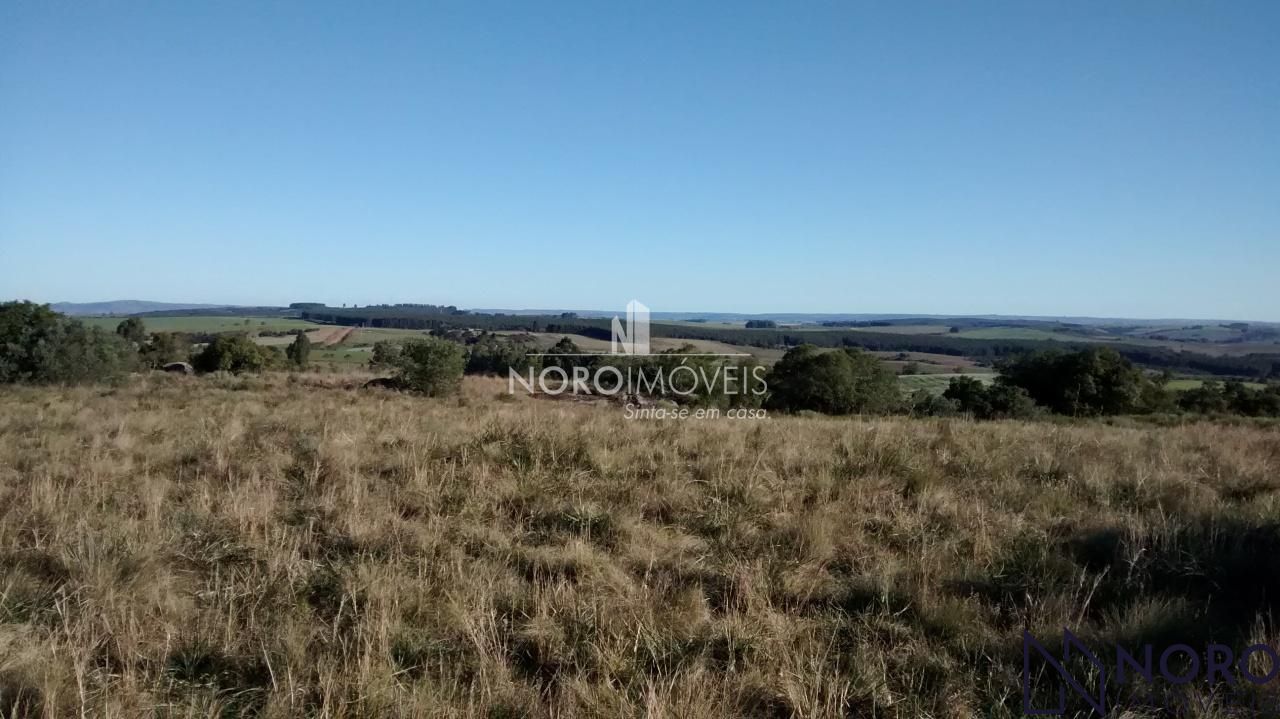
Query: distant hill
124,307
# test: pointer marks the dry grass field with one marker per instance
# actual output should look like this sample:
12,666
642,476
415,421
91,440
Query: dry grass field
276,546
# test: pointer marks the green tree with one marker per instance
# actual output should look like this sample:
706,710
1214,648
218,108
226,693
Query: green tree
493,354
927,404
1208,398
969,396
40,345
1009,402
566,355
996,401
693,378
1232,396
843,381
235,353
1155,396
431,366
133,330
385,354
1268,401
299,352
1086,383
165,347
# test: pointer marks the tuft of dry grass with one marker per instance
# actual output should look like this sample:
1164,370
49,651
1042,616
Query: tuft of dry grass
282,546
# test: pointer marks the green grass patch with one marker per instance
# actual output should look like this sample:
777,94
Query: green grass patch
367,336
198,323
937,383
905,329
340,356
1020,333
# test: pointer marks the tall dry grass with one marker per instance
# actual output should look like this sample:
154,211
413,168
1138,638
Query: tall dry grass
275,547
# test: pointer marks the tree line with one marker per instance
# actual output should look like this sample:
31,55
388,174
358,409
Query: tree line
1259,366
38,345
1092,383
41,346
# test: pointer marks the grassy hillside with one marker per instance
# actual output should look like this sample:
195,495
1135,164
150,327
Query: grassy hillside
275,547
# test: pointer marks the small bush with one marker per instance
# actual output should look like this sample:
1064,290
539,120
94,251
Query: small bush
299,352
431,366
998,401
133,330
492,354
846,381
235,353
927,404
385,354
165,347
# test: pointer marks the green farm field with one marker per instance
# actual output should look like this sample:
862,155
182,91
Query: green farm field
204,323
369,335
904,329
937,383
1021,333
340,356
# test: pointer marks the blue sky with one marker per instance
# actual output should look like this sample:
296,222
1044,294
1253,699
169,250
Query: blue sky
1058,158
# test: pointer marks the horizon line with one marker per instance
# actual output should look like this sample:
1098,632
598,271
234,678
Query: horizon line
605,313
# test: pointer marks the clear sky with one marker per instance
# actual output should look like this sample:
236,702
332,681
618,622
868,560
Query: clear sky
1064,158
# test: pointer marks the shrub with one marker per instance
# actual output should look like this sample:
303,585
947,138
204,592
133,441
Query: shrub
385,354
235,353
1000,400
133,330
1009,402
492,354
40,345
431,366
165,347
969,396
843,381
1086,383
926,404
694,378
299,352
1231,397
566,355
